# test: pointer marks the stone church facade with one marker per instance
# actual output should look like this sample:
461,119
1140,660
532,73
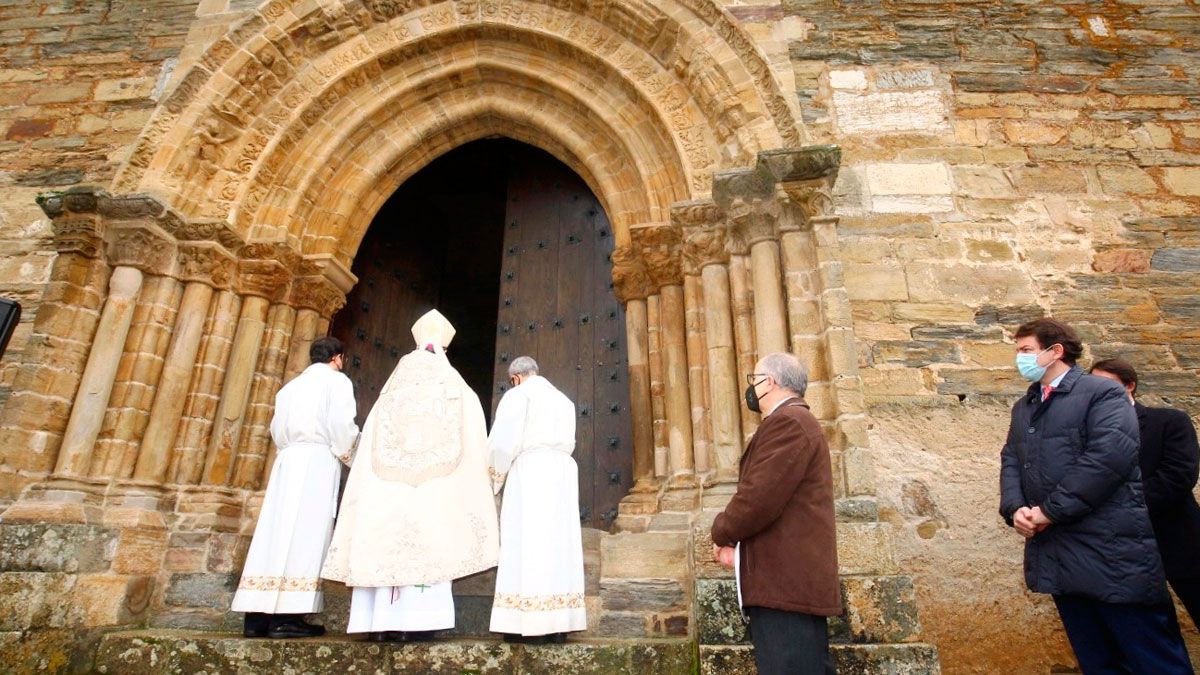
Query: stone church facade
885,189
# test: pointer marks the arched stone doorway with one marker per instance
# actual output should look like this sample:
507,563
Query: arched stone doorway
513,248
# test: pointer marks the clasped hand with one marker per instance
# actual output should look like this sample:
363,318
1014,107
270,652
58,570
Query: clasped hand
723,555
1029,520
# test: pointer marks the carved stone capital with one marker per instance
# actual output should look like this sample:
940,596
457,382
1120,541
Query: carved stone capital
661,251
264,278
696,213
144,246
814,162
78,234
630,280
752,221
207,262
804,203
704,246
318,294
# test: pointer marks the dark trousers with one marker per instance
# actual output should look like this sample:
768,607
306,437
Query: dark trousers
1119,638
1188,591
789,643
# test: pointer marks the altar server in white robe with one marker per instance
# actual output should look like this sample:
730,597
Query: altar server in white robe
313,428
419,510
539,583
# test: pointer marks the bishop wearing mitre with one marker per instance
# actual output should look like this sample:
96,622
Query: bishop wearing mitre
418,510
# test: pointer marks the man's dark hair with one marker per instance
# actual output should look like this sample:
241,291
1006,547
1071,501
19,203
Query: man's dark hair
324,349
1119,367
1050,332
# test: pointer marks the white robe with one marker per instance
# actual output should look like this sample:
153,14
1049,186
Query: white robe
539,583
418,510
313,428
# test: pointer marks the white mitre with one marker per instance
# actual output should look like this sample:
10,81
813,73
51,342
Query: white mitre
433,329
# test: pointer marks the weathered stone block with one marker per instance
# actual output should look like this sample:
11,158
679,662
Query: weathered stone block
911,659
622,624
875,282
915,353
213,591
653,595
1176,260
1122,261
719,620
1012,315
878,609
56,547
112,600
908,179
968,284
644,555
140,551
35,600
865,548
1182,180
974,381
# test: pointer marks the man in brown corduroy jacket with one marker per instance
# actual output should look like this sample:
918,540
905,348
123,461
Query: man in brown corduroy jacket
781,521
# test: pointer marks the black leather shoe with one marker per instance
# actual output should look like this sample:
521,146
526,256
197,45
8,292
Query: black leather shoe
256,624
376,636
294,628
557,638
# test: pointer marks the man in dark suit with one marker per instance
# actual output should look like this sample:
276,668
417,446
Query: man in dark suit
1070,484
781,522
1170,462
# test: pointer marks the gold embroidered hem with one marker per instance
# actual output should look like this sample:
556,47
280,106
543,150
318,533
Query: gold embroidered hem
282,584
539,603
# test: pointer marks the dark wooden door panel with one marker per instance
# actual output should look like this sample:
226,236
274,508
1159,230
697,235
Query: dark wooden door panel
557,305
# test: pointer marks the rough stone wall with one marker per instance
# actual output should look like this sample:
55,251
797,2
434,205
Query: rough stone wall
78,80
1002,160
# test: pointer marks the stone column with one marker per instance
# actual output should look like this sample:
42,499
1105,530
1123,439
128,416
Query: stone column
743,326
303,335
704,249
660,248
658,385
261,279
34,417
204,388
698,389
754,221
91,401
203,267
632,286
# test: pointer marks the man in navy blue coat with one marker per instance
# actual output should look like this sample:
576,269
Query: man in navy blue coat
1071,485
1170,460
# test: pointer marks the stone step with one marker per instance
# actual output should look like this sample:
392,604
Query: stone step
154,652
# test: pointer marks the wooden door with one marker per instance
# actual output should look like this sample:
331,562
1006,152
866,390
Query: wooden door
557,305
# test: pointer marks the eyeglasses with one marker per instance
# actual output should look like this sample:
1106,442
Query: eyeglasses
750,378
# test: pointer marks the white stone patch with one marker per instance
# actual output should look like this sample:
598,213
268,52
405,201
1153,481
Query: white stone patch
899,178
1098,26
913,204
881,112
848,79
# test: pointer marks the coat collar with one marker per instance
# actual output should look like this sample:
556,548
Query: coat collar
1065,385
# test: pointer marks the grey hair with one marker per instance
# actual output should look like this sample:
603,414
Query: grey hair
786,370
523,365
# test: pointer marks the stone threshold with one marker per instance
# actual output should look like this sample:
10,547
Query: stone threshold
169,652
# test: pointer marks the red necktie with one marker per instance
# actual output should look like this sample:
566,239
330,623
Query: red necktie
1046,389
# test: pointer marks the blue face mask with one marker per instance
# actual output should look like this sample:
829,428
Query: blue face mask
1028,365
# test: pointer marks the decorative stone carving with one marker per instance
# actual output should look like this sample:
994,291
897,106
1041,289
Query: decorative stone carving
802,164
128,207
630,280
660,246
206,262
263,278
206,230
143,246
78,234
754,220
703,246
318,294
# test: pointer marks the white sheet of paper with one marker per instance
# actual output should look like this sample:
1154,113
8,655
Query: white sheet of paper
737,570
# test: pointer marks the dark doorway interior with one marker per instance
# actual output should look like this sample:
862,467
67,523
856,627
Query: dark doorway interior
436,243
513,247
